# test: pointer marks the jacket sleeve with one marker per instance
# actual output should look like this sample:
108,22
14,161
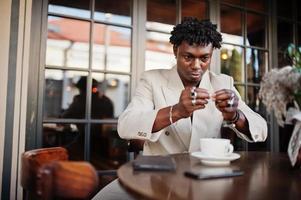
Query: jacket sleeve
257,125
137,120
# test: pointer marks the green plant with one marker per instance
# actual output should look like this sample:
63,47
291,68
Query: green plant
294,54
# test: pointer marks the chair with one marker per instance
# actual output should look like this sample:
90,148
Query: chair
47,174
135,146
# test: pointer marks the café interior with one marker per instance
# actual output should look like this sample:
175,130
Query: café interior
70,68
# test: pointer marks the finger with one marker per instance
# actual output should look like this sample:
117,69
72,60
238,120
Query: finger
202,93
225,96
225,106
201,102
218,92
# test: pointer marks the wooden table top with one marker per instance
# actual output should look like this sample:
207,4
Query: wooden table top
266,176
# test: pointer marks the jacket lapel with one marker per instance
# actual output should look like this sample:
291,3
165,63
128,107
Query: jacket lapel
205,121
172,92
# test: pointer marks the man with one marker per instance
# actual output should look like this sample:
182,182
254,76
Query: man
173,109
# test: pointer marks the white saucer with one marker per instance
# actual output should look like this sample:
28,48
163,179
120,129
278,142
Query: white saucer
215,160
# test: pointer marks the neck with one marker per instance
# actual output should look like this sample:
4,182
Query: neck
191,84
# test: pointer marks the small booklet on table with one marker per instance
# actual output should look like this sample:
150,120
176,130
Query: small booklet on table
154,163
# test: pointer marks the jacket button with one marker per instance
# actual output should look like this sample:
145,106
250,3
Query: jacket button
167,133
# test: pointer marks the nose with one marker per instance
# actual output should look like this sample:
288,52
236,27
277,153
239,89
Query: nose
197,63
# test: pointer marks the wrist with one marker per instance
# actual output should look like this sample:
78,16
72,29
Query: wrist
234,119
176,114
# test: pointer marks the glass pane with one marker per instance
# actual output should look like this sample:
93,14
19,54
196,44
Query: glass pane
283,60
242,91
231,25
284,35
256,30
298,11
117,91
232,62
299,35
63,94
194,8
254,101
71,8
108,150
285,8
258,5
117,11
232,1
112,48
161,15
67,43
69,136
159,52
257,64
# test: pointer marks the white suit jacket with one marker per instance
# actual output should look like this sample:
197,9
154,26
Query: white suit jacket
161,88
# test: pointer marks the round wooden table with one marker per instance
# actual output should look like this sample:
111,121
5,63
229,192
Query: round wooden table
266,176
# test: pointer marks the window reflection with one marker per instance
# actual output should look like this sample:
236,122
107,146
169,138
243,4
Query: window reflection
299,36
258,5
65,135
285,8
254,101
256,64
60,90
67,43
108,150
195,8
161,17
163,12
284,34
111,48
283,60
298,11
71,8
256,30
232,1
231,25
232,62
242,91
159,53
117,10
115,88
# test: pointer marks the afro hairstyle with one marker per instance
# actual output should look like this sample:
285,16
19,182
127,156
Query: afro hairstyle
194,31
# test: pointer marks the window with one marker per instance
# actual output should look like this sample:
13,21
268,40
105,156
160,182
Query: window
245,52
86,79
161,17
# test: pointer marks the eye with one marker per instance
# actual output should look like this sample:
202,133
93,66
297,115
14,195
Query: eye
187,57
205,59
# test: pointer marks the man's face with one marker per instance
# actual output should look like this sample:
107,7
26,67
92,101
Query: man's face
192,62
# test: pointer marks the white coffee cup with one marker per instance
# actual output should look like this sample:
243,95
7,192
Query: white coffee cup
216,147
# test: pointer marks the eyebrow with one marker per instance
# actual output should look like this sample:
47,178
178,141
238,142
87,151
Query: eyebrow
191,54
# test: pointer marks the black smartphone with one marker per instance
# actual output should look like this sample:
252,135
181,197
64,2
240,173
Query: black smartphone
213,173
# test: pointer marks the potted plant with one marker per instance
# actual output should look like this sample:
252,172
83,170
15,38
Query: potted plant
280,91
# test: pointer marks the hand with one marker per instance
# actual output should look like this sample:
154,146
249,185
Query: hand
226,101
191,99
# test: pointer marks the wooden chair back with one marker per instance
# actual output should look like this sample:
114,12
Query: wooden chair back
67,180
47,174
33,160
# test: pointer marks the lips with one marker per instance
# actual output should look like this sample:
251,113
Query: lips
196,75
